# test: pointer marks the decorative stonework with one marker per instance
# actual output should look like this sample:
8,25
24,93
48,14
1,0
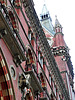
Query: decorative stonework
24,87
5,83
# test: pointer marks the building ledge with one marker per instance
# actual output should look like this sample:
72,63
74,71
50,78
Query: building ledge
8,36
35,84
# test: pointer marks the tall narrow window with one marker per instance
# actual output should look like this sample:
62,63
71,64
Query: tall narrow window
50,79
39,56
58,97
29,36
55,90
41,61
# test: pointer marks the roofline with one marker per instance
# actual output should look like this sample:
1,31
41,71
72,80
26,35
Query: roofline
48,31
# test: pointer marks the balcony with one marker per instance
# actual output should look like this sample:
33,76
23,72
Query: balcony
8,36
35,83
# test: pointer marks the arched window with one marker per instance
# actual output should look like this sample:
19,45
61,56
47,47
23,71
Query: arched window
30,57
30,62
40,58
13,20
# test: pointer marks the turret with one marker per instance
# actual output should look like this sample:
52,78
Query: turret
58,27
59,39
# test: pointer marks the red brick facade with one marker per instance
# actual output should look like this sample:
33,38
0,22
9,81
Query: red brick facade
21,55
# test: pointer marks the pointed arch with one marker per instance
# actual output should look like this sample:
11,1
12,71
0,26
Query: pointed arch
30,56
6,90
13,19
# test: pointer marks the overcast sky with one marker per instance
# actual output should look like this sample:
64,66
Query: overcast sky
64,9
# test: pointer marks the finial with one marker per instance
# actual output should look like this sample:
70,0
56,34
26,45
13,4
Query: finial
44,1
57,22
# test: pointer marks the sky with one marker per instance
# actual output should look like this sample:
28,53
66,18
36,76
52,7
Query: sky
64,9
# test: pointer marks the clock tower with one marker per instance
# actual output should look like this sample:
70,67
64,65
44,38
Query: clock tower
46,20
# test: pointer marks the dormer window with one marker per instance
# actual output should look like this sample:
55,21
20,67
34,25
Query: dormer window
13,20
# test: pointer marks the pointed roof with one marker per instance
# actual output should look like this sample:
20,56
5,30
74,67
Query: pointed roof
46,20
44,10
57,24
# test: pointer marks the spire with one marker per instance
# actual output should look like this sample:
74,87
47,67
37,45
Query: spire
45,13
46,20
57,24
44,10
58,27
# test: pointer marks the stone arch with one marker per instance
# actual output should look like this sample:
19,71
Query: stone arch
6,90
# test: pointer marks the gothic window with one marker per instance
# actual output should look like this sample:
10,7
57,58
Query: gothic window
50,79
13,21
30,58
55,90
40,59
29,36
39,56
58,97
